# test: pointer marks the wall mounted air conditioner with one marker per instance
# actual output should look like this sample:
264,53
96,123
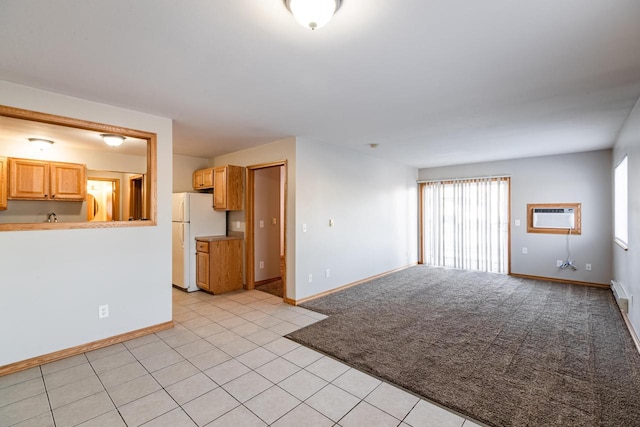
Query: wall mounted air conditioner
554,218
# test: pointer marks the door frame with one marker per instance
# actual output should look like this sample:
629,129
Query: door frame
116,194
133,179
250,232
421,224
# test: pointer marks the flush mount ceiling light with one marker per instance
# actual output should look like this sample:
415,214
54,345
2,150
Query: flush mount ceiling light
313,13
41,144
113,140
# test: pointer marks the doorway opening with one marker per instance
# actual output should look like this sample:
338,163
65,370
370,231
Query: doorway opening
103,199
266,228
136,198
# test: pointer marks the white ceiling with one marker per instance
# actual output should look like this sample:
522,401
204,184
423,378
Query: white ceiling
433,82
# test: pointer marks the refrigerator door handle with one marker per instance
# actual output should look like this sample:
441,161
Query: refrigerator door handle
182,210
182,234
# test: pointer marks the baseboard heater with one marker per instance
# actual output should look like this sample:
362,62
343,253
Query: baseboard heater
620,295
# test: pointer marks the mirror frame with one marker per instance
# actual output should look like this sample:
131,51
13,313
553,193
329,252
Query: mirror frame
151,187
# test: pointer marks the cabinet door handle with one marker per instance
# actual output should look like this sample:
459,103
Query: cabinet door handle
53,195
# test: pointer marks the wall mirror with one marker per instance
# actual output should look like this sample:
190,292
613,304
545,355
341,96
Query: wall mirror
118,184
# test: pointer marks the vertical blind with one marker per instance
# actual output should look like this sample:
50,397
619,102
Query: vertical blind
466,223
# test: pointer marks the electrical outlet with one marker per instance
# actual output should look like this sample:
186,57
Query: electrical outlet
237,225
261,224
274,221
261,264
559,263
331,223
327,273
310,277
517,222
524,250
304,228
103,311
588,267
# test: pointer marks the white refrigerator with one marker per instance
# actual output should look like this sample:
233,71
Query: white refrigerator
193,216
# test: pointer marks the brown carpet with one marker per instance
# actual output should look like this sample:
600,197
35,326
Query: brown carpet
502,350
273,288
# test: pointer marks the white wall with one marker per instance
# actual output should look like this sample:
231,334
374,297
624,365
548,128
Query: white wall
25,211
373,204
276,151
626,264
183,167
95,160
571,178
54,280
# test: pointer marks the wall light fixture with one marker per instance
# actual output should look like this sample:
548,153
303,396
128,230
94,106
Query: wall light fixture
41,144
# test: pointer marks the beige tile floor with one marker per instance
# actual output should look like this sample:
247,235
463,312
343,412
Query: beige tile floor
225,363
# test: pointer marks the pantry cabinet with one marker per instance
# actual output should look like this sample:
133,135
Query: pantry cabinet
41,180
228,188
203,179
3,183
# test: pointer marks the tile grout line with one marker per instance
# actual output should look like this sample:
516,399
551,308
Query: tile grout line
44,385
273,310
105,388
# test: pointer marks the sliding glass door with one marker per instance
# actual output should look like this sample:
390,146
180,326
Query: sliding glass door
465,223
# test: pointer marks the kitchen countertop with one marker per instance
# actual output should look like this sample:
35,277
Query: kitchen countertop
216,238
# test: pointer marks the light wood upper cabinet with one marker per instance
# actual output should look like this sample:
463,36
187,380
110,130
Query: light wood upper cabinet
68,181
228,188
3,183
203,179
28,179
40,180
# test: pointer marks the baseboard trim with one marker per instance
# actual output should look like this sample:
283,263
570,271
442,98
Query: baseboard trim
553,279
83,348
341,288
632,331
265,281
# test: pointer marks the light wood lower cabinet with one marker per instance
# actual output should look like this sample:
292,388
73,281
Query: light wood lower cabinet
40,180
3,183
202,270
219,264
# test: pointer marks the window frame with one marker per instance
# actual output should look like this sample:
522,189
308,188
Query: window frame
621,205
